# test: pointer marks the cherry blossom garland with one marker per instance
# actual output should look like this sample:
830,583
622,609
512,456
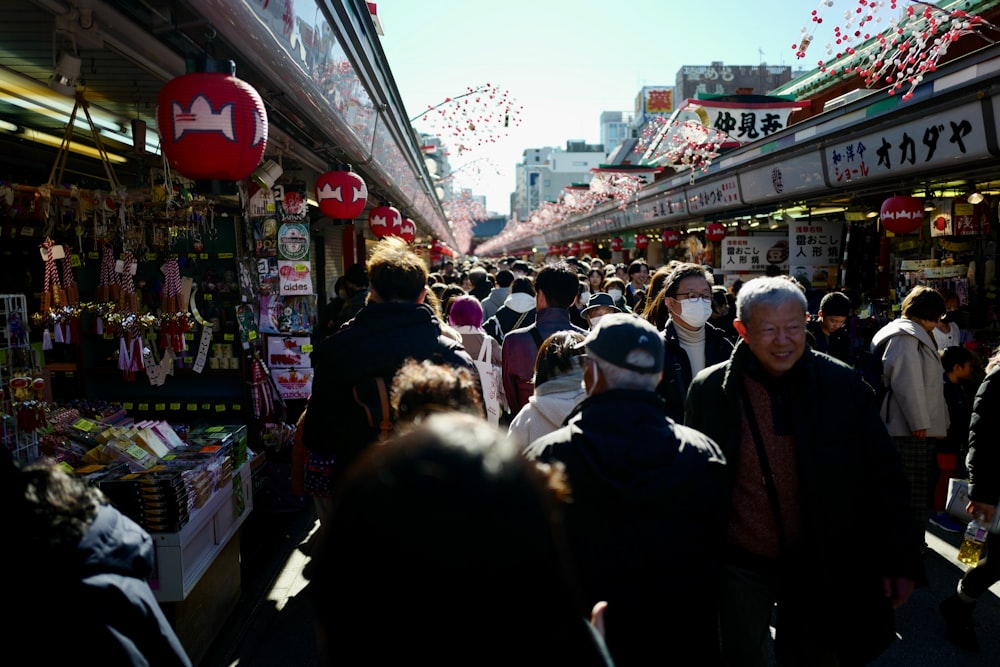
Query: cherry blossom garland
900,54
475,118
681,144
463,212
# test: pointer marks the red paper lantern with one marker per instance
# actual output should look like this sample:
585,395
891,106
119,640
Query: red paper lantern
641,241
715,232
408,230
902,214
212,125
574,249
671,238
587,247
616,244
385,221
341,194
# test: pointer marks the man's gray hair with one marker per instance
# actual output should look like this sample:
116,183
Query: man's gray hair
617,377
770,290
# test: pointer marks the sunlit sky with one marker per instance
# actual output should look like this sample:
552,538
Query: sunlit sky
566,62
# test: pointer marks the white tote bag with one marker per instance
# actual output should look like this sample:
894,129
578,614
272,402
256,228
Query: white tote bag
489,376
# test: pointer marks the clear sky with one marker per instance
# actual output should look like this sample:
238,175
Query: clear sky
566,62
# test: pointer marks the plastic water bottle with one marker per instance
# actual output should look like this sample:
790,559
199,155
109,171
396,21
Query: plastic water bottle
972,545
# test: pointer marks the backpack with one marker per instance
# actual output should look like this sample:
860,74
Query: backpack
870,368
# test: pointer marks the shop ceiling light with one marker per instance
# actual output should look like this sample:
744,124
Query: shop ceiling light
64,77
74,147
10,127
975,198
267,174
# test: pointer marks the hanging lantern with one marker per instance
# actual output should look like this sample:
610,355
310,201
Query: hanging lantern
212,125
385,221
616,244
902,215
436,247
671,238
341,195
586,247
715,232
641,241
574,249
408,230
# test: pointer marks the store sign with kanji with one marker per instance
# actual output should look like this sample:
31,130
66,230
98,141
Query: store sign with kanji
815,252
753,254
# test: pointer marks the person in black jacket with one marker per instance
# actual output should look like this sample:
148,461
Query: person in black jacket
806,454
648,501
983,464
691,342
395,326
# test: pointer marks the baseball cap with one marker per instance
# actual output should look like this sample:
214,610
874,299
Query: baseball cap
597,300
618,335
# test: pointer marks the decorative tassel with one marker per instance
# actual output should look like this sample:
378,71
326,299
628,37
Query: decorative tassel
46,340
100,326
58,333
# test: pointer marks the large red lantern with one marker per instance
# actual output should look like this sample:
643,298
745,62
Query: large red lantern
641,241
341,195
574,249
212,125
408,230
715,232
616,244
586,247
671,238
901,214
385,221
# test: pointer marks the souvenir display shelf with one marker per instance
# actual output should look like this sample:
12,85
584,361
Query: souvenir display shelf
22,444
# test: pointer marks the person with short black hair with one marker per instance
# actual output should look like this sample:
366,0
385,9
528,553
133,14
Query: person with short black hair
356,284
958,364
556,287
638,277
498,294
829,334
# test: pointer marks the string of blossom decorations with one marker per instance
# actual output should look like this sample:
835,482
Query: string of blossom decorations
683,144
474,119
908,47
463,212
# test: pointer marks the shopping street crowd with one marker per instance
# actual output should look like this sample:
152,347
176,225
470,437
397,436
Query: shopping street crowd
592,464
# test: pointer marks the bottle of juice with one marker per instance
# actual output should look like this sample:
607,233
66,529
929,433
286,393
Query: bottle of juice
972,545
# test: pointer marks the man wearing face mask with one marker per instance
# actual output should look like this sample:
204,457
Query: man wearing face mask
691,343
599,305
648,496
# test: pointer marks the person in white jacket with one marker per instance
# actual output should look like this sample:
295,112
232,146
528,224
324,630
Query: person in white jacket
914,409
558,381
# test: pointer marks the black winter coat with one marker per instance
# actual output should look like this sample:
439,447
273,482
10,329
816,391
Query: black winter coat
644,523
983,460
375,343
677,373
848,467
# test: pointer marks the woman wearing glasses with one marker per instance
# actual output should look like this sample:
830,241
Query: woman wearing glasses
691,342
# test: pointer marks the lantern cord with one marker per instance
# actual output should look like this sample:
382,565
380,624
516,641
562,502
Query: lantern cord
59,167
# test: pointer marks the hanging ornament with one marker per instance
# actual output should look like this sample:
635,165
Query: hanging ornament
212,125
671,238
385,221
641,241
616,244
586,247
341,195
573,250
408,230
715,232
902,214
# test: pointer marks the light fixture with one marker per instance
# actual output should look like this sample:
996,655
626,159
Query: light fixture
56,142
267,174
975,198
10,127
63,79
871,213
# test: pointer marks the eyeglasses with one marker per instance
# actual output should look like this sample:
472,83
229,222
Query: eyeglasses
705,297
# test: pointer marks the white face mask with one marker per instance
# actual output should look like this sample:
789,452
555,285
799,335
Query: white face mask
518,274
594,320
695,312
615,294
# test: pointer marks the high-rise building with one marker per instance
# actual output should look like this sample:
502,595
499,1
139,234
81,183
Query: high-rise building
616,127
544,172
719,79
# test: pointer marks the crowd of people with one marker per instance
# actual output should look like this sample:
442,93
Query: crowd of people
675,478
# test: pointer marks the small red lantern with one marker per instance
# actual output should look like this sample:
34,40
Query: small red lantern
616,244
212,125
385,221
715,232
587,247
641,241
671,238
902,214
408,230
341,195
574,249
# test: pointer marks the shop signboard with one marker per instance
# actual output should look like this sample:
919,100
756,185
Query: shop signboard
669,206
753,254
800,175
946,140
716,195
815,252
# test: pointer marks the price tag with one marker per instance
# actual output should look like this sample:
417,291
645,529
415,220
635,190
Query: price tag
150,256
160,407
206,406
225,255
175,406
220,407
252,335
192,407
307,348
228,337
128,406
237,407
74,261
189,335
83,425
108,335
143,407
208,297
203,255
93,255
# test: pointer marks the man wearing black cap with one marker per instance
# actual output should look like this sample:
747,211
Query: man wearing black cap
647,500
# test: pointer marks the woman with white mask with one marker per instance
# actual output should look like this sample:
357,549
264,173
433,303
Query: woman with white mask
691,342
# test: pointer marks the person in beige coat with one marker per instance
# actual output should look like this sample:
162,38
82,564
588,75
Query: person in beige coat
914,409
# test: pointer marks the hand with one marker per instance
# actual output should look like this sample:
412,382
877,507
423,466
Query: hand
922,433
897,589
982,512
